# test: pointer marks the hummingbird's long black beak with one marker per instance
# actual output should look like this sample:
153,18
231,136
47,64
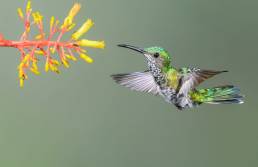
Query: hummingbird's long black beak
137,49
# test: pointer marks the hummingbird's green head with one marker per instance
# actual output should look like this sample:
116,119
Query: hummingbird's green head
156,55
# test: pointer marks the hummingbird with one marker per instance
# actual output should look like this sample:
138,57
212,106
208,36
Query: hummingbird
178,86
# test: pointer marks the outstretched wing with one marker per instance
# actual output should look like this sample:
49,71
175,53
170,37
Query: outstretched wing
139,81
192,77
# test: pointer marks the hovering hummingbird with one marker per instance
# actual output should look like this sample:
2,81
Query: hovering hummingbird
176,86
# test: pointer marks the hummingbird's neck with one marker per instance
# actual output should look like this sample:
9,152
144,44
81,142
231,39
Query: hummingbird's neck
159,73
156,69
167,68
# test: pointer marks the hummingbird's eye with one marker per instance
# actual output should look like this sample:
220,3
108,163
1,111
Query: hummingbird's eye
156,55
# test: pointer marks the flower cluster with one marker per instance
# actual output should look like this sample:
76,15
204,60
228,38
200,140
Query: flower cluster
43,45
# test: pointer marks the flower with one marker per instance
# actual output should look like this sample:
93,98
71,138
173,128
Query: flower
83,29
73,12
93,44
37,17
20,13
28,6
45,46
86,58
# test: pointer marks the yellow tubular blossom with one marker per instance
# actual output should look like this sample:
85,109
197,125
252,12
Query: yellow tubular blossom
75,9
93,44
37,17
69,19
54,68
21,83
71,57
20,66
57,22
39,52
52,50
34,65
25,60
83,29
51,22
65,63
71,26
68,56
34,71
40,16
20,73
86,58
83,51
28,28
39,36
28,7
20,13
47,66
55,62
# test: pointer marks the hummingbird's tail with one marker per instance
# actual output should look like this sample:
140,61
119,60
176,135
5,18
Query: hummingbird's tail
226,94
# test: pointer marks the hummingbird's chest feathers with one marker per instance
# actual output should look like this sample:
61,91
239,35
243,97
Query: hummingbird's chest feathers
159,77
166,91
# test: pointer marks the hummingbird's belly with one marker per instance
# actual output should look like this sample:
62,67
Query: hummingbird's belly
171,96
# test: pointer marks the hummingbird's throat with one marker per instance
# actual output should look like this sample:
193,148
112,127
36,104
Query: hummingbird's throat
157,73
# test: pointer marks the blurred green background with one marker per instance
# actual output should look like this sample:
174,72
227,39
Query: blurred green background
81,118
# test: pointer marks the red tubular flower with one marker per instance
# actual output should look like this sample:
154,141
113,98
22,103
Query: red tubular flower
44,45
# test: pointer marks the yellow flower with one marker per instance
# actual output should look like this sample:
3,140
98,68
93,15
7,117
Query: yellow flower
71,26
83,29
37,17
52,50
27,28
28,7
34,65
39,36
55,62
86,58
54,68
65,63
47,66
93,44
75,9
51,22
69,19
71,57
21,83
20,73
25,60
20,13
35,71
39,52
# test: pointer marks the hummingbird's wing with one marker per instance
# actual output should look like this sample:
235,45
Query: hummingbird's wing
192,77
139,81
